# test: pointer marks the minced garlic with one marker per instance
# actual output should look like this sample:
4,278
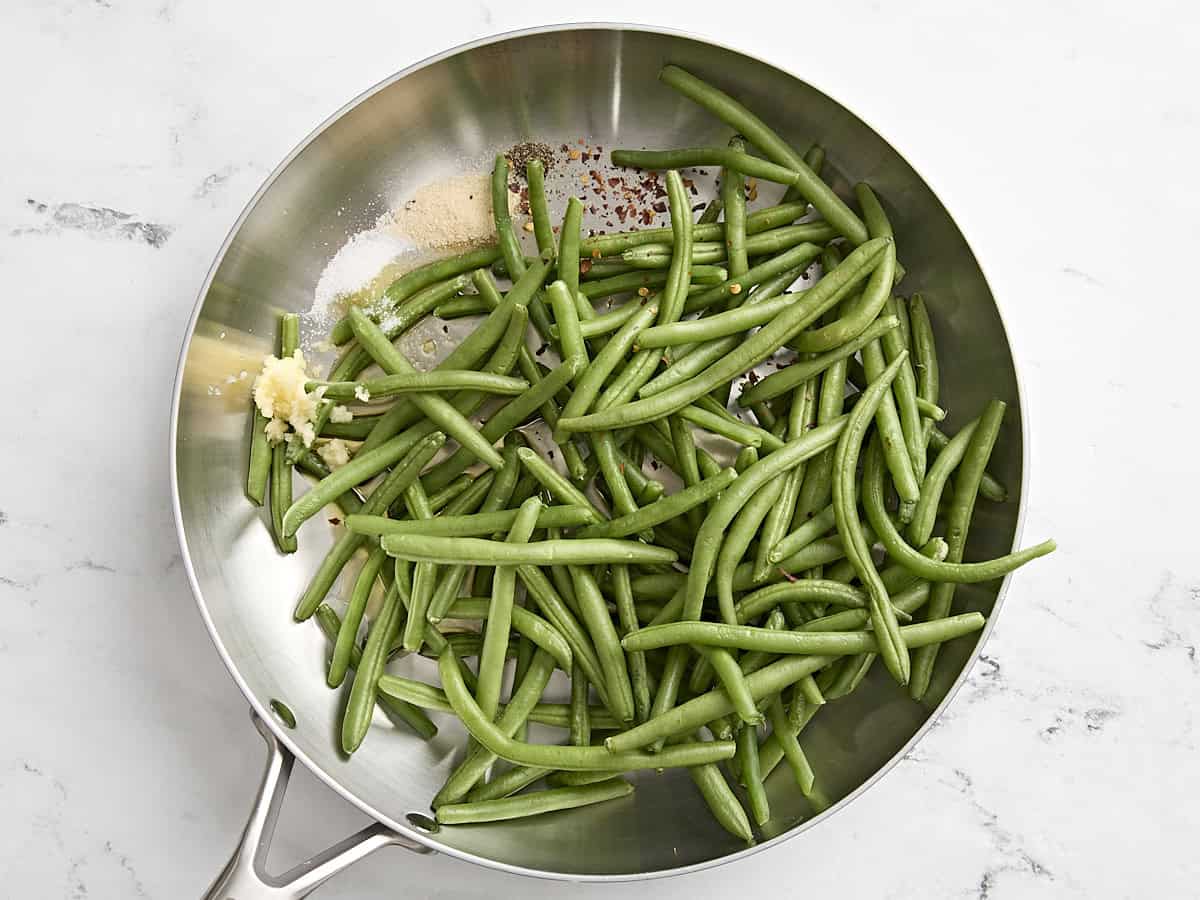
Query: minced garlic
280,396
340,414
335,453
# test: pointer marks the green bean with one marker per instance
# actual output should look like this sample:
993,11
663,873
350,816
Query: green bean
647,489
778,383
437,409
476,551
669,507
555,482
625,385
311,464
355,430
883,617
533,804
620,494
500,614
606,323
461,307
675,293
824,294
568,246
566,758
721,801
731,679
566,319
925,361
766,640
765,219
831,207
453,576
801,417
444,380
259,469
931,569
989,487
415,718
724,324
504,420
357,718
636,662
479,759
920,529
419,278
362,467
887,421
751,775
281,469
424,575
506,236
733,198
604,636
632,281
580,722
798,257
507,783
812,590
281,499
440,500
348,633
470,525
539,211
930,411
780,727
738,538
809,691
687,367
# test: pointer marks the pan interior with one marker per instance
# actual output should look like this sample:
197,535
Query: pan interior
598,85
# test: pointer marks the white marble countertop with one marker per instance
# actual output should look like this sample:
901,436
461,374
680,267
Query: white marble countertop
1064,137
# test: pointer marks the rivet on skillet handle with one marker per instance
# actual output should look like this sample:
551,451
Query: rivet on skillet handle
244,876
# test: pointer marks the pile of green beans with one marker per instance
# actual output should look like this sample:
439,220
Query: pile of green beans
707,557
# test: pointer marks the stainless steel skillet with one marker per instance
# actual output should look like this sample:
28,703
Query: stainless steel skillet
555,84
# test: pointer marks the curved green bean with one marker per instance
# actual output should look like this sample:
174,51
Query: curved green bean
845,466
534,804
932,569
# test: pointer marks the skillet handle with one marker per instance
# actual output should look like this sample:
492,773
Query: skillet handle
244,876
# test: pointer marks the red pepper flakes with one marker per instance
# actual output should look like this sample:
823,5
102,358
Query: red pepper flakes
647,217
585,266
660,207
